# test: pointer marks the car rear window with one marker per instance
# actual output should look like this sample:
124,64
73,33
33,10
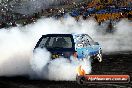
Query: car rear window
56,42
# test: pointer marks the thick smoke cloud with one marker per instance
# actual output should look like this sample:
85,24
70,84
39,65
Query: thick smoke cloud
120,40
17,45
57,69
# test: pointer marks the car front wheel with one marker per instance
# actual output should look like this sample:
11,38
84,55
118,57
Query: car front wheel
99,56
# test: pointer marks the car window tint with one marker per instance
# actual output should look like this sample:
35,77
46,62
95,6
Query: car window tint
43,42
82,39
64,42
56,42
51,41
68,42
89,39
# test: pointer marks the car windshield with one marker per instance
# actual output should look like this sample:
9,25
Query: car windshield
56,42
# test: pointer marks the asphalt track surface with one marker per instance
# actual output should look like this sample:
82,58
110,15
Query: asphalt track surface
113,63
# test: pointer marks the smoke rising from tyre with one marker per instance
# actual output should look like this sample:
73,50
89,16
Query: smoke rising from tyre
17,44
58,69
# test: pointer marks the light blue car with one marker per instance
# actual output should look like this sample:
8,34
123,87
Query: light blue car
66,45
86,46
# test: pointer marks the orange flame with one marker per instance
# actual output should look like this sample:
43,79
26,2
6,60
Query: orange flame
81,71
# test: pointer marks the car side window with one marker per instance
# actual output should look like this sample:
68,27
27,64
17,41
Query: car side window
85,41
89,39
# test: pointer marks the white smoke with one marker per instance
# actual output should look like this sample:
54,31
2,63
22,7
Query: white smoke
57,69
14,52
17,44
40,59
120,40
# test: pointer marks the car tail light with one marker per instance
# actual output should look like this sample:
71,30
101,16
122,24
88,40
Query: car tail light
75,54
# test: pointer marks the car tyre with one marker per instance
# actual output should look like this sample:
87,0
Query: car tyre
99,56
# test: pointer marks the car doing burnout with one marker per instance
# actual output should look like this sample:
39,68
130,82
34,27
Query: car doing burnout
66,45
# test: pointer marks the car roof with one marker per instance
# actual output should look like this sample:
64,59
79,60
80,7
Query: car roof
57,35
63,34
66,35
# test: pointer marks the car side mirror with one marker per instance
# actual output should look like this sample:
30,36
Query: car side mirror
96,43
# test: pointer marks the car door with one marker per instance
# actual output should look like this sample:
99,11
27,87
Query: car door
84,52
86,47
